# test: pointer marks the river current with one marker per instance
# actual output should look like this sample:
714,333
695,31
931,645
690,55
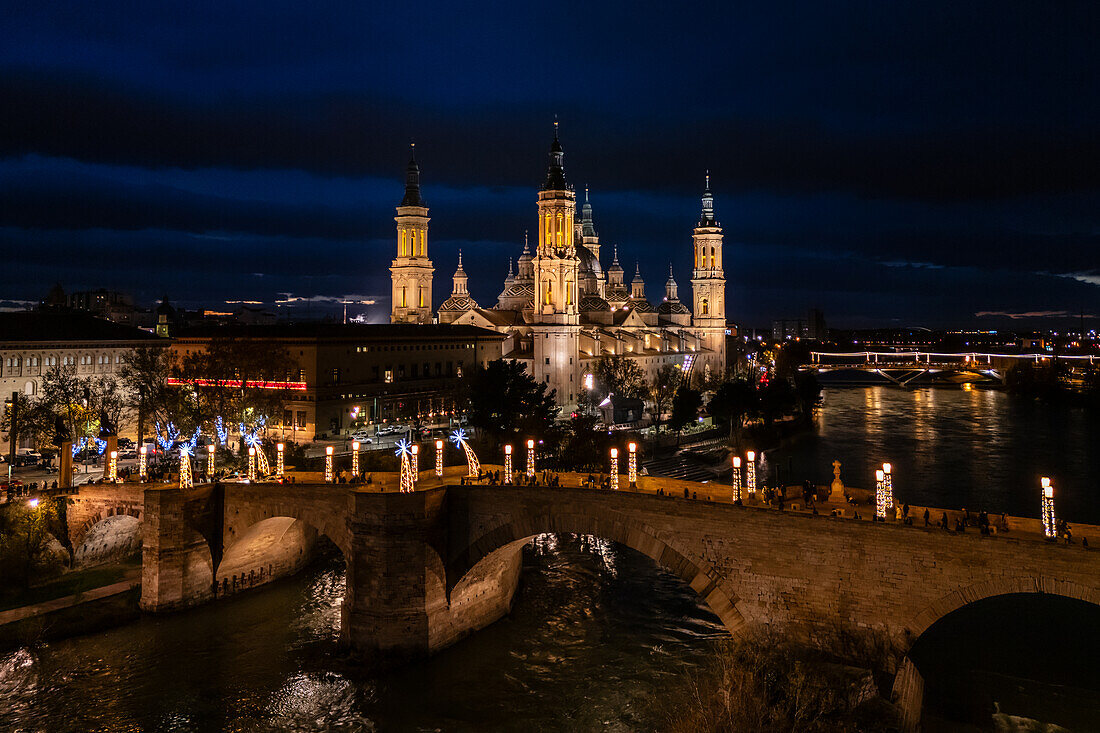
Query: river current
598,633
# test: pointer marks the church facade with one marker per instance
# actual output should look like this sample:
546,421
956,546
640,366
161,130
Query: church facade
560,310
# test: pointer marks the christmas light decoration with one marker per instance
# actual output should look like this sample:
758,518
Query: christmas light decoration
507,464
210,460
414,460
279,464
615,469
186,481
1050,522
252,464
888,487
530,458
632,464
355,458
222,431
458,437
142,463
880,494
439,459
112,466
750,472
328,464
737,478
404,449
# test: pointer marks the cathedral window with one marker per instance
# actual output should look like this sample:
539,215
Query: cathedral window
549,293
420,291
569,292
404,247
712,257
404,304
706,306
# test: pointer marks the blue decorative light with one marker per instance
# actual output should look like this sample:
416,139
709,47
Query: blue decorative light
79,446
100,446
171,435
458,437
404,447
222,431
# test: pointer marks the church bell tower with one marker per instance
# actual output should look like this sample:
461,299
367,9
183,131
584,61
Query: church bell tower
708,286
411,272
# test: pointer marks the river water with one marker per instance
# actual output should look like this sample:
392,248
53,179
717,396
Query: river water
598,633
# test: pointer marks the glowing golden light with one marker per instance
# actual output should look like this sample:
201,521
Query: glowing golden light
142,462
252,464
632,464
328,464
112,466
530,458
439,459
210,460
186,482
355,458
615,469
279,465
750,472
414,462
1050,522
880,494
508,464
737,478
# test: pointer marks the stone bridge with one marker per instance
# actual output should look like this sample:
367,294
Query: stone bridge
427,568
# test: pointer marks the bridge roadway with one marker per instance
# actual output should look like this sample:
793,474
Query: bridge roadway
919,363
428,568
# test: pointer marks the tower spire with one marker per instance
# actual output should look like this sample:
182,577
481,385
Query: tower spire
555,174
706,218
412,180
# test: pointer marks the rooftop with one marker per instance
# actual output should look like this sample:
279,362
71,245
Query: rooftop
351,331
65,325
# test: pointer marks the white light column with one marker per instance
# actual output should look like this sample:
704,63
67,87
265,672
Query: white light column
355,458
328,464
415,462
280,466
880,494
112,466
210,461
143,457
614,469
186,482
888,487
632,464
507,464
737,478
439,459
1050,522
750,472
252,464
530,458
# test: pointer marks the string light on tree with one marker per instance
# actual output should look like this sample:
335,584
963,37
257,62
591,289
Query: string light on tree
737,478
750,472
632,464
1050,522
112,466
530,458
888,487
508,464
407,481
328,464
186,481
355,458
280,465
615,469
251,464
880,494
143,465
439,459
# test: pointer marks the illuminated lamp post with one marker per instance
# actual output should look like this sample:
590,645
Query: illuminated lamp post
355,458
737,478
439,459
415,461
750,472
143,465
530,458
880,494
252,464
632,464
280,465
614,469
508,464
210,461
328,464
112,466
888,485
1050,522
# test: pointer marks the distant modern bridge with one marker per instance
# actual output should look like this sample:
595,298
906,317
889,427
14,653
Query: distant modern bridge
425,569
905,367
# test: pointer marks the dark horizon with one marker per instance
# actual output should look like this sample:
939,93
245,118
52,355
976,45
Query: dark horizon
908,165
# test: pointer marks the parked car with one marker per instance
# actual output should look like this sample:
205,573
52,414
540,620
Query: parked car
128,453
125,443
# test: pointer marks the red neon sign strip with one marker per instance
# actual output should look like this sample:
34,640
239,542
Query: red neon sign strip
251,383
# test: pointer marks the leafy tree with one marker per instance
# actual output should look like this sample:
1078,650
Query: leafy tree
734,401
777,399
685,407
584,447
808,392
70,397
504,399
662,389
24,543
144,374
620,375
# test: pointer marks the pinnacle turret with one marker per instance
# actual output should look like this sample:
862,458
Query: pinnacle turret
412,180
555,174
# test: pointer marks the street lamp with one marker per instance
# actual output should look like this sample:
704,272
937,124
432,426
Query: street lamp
1050,526
737,478
210,461
439,459
888,486
632,464
279,464
252,464
112,466
530,458
415,462
328,464
880,494
508,464
143,462
750,472
615,469
355,458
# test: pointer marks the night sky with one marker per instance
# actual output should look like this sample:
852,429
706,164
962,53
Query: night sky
892,163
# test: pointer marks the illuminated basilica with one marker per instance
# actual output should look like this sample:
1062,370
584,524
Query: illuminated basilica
560,308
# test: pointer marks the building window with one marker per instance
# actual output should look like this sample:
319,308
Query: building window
459,371
301,375
389,376
421,296
548,360
336,375
415,371
300,419
706,307
403,303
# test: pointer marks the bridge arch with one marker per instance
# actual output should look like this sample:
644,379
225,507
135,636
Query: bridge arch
510,536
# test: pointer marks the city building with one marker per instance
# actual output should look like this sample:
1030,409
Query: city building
812,327
346,375
559,309
32,342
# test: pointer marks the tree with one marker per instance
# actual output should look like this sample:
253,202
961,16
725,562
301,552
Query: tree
24,543
503,399
685,407
808,391
776,399
732,403
621,376
144,374
662,389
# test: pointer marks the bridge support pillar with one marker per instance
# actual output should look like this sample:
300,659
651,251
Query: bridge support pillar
177,570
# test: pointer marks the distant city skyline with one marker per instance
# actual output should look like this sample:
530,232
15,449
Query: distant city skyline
894,165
